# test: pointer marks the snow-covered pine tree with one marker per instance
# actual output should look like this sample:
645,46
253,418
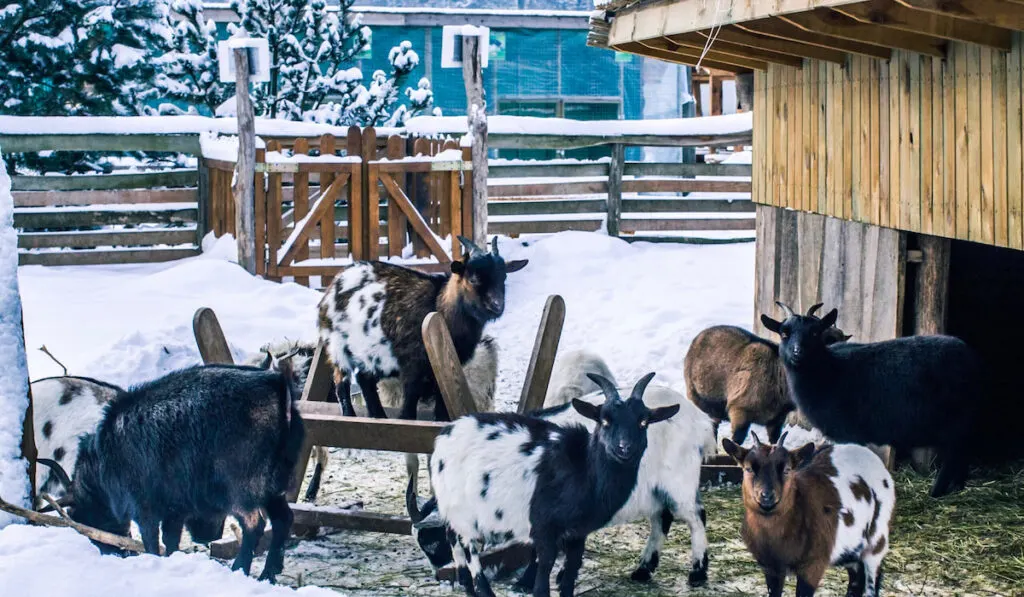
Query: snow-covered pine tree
189,71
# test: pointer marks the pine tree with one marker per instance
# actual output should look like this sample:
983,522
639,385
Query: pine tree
189,73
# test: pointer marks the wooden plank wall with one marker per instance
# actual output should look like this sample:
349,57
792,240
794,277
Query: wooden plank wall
804,258
915,143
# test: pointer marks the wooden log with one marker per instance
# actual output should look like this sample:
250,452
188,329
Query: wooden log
451,380
213,346
125,543
472,75
350,519
538,373
615,170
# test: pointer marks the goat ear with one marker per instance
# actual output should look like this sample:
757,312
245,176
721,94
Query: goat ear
586,409
515,266
846,336
803,455
267,360
663,414
458,268
771,324
738,452
829,319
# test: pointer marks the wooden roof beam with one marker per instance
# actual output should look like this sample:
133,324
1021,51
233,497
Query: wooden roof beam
667,45
698,41
991,12
735,35
782,30
889,14
827,22
640,49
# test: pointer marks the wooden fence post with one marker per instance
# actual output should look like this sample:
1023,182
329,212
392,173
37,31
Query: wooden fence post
300,203
328,236
213,346
260,204
447,369
354,147
245,222
615,172
538,374
202,201
476,113
930,311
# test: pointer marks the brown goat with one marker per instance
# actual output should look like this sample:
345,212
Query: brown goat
734,375
810,509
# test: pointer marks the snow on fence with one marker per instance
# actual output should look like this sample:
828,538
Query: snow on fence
163,215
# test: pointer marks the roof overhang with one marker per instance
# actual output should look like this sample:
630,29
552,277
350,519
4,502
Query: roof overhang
741,35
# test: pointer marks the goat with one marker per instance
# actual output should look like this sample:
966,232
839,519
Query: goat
909,392
569,377
811,508
66,409
201,442
667,486
507,477
734,375
370,320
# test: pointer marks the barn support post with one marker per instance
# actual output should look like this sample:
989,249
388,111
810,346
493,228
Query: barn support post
245,220
476,113
615,171
745,92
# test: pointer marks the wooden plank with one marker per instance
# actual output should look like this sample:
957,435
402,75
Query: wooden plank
927,163
36,218
873,141
822,110
105,182
300,200
764,266
615,188
999,153
698,41
328,235
824,21
455,201
891,15
686,205
213,346
855,145
92,257
543,227
685,186
810,236
738,36
993,12
418,224
396,219
309,515
652,52
679,170
896,84
363,433
297,241
274,199
1014,164
558,170
962,87
846,108
542,359
884,143
114,141
808,115
447,367
516,208
835,126
986,75
666,225
107,238
975,131
785,30
548,188
120,197
686,54
356,145
912,174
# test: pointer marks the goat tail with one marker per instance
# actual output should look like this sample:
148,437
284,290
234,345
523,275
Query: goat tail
713,408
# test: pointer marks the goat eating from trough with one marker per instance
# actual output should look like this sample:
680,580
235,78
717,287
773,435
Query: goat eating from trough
911,392
734,375
371,316
202,443
813,508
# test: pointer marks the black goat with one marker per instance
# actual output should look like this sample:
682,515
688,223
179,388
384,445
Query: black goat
909,392
371,318
199,443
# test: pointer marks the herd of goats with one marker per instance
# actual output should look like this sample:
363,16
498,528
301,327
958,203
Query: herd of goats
206,442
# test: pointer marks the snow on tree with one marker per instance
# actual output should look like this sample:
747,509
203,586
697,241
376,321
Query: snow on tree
14,486
189,72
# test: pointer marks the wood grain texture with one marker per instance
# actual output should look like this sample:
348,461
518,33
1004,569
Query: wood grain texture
542,359
213,346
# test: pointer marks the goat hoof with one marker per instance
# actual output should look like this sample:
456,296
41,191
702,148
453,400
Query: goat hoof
641,575
697,578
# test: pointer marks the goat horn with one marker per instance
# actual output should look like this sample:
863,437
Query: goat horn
782,439
58,470
641,386
470,246
785,308
814,308
494,245
410,503
757,440
607,387
265,363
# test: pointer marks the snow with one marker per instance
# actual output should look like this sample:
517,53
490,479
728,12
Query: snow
225,149
28,554
14,486
528,125
163,125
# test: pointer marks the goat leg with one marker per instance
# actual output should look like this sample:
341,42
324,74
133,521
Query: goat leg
281,518
252,524
368,385
172,527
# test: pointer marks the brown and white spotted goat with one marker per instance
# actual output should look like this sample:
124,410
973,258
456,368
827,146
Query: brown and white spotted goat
371,318
813,508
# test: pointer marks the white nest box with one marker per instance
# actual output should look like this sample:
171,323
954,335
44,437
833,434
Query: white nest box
451,44
259,58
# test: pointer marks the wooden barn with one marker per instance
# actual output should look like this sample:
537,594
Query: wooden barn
887,153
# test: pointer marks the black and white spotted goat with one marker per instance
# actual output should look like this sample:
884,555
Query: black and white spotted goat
506,477
371,318
668,481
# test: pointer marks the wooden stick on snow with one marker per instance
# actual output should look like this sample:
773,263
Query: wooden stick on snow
93,533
